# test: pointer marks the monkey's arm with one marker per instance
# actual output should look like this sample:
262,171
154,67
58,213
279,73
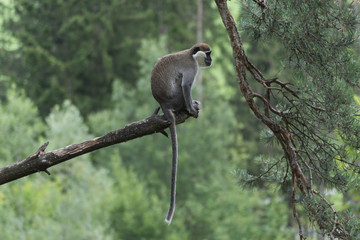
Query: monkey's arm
186,84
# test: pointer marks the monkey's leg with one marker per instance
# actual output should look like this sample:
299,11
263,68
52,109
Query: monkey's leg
171,117
186,86
162,131
156,111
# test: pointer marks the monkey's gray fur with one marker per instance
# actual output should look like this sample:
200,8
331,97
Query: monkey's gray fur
171,82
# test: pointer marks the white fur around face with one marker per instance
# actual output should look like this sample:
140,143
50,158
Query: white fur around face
200,57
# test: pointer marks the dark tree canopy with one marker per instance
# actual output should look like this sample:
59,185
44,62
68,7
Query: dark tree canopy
76,49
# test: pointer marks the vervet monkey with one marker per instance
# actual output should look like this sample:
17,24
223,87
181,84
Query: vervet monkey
171,81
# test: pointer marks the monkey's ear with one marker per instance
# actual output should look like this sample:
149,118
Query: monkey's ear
196,49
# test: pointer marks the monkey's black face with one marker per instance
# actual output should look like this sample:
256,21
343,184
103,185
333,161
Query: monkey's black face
208,59
203,58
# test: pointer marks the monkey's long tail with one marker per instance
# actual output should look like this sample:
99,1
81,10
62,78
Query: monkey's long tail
174,168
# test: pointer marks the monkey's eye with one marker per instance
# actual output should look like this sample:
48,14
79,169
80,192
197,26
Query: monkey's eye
208,53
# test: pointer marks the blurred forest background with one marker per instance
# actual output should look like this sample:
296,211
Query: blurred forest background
73,70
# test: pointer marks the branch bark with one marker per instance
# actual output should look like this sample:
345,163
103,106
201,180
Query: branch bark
41,160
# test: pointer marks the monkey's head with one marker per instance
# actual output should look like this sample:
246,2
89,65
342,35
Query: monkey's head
201,53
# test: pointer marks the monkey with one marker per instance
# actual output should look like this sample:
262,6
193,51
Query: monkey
172,79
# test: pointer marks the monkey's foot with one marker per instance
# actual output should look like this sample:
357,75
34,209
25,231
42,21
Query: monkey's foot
196,105
195,108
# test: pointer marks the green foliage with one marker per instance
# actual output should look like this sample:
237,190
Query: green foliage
66,205
17,113
65,117
318,36
320,113
72,49
76,49
137,208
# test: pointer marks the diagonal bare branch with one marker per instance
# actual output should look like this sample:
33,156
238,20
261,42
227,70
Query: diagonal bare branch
41,160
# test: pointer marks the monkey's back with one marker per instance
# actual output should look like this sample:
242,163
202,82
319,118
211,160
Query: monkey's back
166,79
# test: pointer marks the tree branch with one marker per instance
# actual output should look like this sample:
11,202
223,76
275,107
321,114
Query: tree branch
41,160
285,138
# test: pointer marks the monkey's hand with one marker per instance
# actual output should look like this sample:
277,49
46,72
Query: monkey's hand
195,108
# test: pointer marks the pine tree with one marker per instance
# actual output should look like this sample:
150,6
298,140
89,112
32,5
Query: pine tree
312,114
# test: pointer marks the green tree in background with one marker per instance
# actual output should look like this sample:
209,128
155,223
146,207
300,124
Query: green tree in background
74,202
72,49
75,49
17,113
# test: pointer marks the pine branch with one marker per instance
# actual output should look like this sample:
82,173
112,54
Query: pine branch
296,133
242,64
41,160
